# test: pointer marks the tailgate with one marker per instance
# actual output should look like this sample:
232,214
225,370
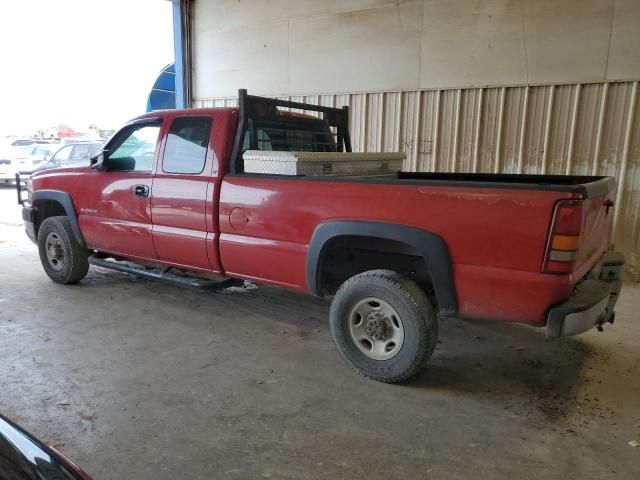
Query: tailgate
598,212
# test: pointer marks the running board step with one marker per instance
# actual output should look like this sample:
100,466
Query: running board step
164,276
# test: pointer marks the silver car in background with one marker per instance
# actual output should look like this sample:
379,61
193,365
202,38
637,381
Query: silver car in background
77,153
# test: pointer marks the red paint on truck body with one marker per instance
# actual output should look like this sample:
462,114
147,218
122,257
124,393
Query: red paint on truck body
260,227
496,261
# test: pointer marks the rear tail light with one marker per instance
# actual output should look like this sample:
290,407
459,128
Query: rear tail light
564,238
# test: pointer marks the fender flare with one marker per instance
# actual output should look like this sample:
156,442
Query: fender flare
64,199
430,246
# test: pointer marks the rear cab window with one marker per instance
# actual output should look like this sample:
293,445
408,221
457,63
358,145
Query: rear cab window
292,133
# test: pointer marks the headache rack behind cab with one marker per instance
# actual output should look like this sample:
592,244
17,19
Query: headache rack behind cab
261,113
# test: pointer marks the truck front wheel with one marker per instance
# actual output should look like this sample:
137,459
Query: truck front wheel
63,259
383,325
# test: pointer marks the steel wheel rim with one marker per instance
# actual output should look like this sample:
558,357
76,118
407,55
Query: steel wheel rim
54,248
376,329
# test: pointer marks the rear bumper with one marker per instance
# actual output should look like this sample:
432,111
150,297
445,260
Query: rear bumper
593,301
29,226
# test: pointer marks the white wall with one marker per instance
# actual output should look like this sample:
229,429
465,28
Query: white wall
285,47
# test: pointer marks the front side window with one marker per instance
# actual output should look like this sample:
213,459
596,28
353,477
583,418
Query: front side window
187,143
134,149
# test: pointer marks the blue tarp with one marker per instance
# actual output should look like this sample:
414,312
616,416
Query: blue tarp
163,93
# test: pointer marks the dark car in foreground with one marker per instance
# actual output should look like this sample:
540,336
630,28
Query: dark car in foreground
24,457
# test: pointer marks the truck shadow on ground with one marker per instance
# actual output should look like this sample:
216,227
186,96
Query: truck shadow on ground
506,364
513,364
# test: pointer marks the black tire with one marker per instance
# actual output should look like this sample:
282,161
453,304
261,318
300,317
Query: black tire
418,321
73,264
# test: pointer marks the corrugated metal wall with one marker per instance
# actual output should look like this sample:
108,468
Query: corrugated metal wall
582,129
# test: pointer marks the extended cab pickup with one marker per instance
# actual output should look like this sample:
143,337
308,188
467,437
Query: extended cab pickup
396,250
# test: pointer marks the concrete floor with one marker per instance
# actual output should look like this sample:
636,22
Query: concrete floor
134,379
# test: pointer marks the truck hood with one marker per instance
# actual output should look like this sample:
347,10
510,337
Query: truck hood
55,178
57,171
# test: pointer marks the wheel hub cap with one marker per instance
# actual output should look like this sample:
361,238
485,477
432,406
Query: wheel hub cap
376,328
55,251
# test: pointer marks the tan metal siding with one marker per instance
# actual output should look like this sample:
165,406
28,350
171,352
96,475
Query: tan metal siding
284,47
582,129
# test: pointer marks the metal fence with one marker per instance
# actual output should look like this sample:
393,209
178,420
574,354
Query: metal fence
582,129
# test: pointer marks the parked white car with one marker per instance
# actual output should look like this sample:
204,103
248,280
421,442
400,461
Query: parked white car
8,166
24,159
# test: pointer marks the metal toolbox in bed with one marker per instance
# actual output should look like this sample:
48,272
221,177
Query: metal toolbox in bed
322,164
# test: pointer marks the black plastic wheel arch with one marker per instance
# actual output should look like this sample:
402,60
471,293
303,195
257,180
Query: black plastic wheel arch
64,199
430,247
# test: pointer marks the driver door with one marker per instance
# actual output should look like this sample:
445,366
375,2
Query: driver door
115,213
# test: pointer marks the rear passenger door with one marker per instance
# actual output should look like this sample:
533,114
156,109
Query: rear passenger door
180,195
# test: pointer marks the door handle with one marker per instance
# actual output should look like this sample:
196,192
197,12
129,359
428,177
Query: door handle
141,191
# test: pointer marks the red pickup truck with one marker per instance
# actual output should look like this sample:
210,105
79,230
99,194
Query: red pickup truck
170,197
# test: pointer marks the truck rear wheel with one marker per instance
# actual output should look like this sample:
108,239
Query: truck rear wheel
63,259
383,325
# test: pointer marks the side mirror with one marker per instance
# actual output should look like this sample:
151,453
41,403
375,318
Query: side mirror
99,161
